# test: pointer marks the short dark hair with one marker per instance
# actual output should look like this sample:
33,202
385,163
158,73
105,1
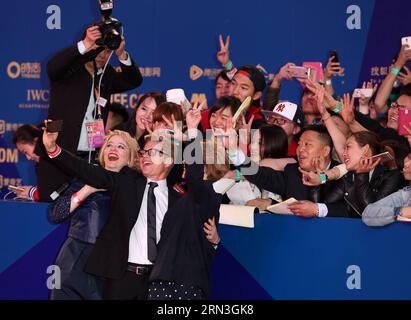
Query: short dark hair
27,133
274,142
119,109
223,74
223,103
256,77
322,132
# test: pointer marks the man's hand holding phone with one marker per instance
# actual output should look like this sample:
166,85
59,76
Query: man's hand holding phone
49,138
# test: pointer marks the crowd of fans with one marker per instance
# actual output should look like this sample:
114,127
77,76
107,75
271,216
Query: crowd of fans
336,155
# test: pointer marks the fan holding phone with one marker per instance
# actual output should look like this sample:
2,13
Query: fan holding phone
332,69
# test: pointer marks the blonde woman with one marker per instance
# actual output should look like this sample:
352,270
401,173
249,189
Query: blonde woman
87,209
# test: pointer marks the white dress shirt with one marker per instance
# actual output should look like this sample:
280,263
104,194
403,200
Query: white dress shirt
138,251
90,113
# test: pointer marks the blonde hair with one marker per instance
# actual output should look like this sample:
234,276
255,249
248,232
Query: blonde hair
130,142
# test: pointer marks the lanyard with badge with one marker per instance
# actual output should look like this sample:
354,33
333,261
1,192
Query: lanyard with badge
95,128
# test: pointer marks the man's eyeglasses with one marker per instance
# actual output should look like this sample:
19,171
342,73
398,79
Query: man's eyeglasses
151,152
278,121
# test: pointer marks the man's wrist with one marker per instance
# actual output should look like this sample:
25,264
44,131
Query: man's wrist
53,153
123,56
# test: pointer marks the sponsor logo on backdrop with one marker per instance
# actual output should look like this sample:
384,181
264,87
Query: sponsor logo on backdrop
129,100
10,181
26,70
36,99
199,97
196,72
8,155
378,73
147,72
8,127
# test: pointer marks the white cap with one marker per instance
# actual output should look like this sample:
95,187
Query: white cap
176,95
289,111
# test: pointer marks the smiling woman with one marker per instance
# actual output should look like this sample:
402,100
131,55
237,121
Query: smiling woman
222,110
142,117
88,209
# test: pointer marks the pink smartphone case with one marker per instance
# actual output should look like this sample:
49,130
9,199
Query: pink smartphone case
404,118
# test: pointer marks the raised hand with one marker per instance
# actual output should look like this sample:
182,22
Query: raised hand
310,178
177,127
193,117
363,101
120,52
403,57
367,164
347,112
319,96
224,54
405,77
49,138
92,34
332,69
318,163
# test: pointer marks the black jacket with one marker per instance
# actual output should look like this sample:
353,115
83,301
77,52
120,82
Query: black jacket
383,133
70,91
357,190
109,256
289,184
70,85
185,254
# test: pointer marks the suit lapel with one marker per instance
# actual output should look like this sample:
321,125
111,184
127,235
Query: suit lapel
172,196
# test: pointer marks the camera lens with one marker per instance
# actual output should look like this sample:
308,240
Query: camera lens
112,39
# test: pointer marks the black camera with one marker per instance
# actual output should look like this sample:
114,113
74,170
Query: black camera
109,27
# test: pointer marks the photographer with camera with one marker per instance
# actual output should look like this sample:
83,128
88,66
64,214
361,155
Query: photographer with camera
82,81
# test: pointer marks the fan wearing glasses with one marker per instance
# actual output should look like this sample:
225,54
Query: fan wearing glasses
290,118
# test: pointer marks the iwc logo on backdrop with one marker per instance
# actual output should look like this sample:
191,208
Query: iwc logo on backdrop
36,99
27,70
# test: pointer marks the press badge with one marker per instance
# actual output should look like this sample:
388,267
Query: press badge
95,133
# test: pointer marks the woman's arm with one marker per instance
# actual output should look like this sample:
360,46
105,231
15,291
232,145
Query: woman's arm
93,175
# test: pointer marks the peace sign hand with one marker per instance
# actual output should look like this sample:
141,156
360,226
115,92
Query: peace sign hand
223,56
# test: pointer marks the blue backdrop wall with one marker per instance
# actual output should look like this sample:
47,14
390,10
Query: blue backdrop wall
175,42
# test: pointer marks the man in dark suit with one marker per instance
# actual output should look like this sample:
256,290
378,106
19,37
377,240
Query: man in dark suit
125,249
77,80
121,252
314,144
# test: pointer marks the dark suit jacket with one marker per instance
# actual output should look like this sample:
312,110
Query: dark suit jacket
357,190
69,97
71,87
289,184
109,256
184,253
